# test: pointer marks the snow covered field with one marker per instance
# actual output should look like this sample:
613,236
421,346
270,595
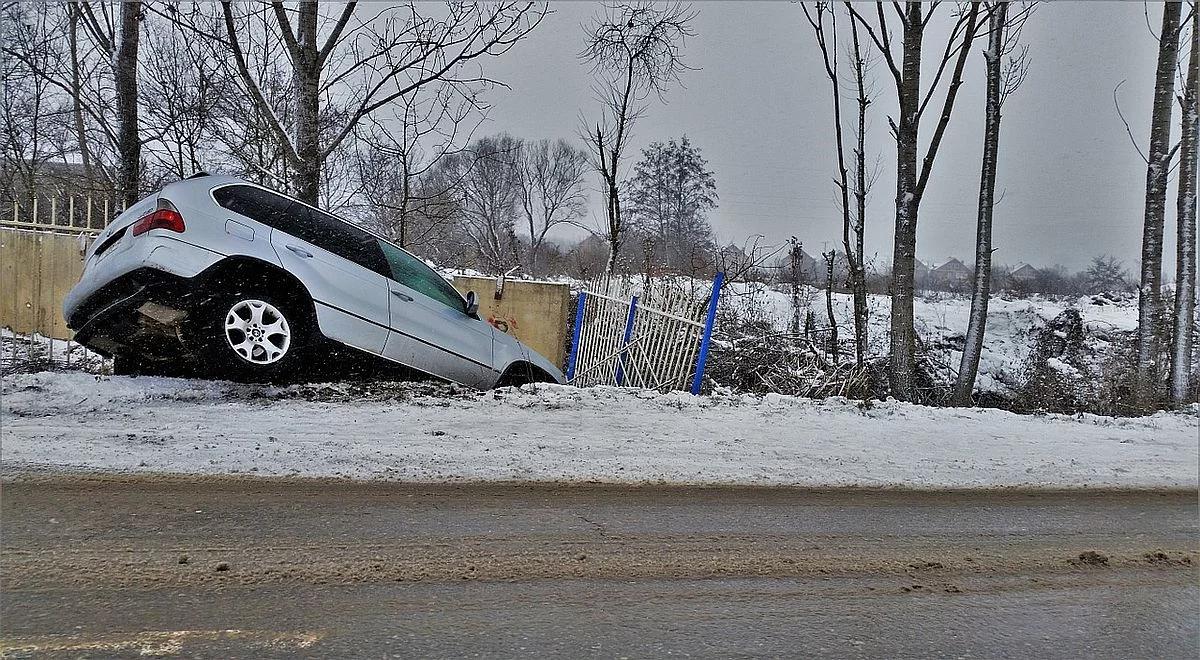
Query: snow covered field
432,433
941,321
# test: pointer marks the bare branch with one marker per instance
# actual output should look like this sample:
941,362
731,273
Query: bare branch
1128,130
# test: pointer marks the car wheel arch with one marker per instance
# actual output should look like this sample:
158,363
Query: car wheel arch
521,372
231,270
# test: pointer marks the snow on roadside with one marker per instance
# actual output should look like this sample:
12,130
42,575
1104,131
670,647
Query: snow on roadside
429,433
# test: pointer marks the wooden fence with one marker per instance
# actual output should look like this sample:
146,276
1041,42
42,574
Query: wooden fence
42,242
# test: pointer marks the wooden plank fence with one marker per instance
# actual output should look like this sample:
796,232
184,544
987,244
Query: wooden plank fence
42,242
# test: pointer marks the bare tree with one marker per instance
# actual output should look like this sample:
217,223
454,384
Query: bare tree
1002,80
180,90
550,176
72,51
395,156
634,48
861,188
911,181
1105,274
853,219
364,64
795,259
127,92
1185,249
487,194
434,227
1157,171
27,102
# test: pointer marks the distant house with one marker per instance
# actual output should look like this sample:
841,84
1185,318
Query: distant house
920,270
1025,274
53,179
732,258
953,273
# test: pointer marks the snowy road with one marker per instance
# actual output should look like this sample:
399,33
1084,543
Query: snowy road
71,422
127,566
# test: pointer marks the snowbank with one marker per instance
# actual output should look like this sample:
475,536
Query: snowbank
433,433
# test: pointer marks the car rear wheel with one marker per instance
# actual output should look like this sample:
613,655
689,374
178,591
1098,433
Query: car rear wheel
252,336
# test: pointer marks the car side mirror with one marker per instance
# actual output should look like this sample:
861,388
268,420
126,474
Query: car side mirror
472,304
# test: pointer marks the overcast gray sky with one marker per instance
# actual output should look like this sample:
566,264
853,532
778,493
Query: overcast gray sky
758,105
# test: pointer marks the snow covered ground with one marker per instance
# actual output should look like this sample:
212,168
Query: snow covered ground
941,321
433,433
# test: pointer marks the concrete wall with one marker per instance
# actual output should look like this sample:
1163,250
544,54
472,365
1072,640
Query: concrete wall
37,269
534,312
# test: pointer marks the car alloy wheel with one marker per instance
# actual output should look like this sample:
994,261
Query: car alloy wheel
257,331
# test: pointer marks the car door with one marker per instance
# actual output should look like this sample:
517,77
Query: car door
430,329
340,265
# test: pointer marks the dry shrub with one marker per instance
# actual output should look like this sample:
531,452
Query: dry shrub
754,357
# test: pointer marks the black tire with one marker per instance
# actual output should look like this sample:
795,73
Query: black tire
254,359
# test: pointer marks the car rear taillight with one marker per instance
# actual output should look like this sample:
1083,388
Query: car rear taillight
166,216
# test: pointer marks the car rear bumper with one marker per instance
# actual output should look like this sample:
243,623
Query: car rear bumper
139,309
155,250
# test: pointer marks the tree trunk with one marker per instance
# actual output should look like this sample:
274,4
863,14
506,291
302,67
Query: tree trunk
307,75
858,270
973,346
833,327
129,146
85,155
614,221
1157,170
904,249
1185,249
406,187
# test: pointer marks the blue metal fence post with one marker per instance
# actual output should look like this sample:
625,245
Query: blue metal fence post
707,336
575,335
628,336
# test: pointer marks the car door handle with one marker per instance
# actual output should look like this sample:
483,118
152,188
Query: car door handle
300,251
402,296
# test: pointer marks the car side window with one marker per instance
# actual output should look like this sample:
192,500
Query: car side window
414,274
305,223
336,236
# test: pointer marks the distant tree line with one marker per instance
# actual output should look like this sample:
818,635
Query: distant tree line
369,111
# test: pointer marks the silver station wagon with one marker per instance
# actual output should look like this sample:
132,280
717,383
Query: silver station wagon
245,283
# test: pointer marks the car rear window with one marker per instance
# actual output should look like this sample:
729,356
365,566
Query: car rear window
256,204
306,223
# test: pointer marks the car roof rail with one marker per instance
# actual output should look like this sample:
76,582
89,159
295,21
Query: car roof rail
197,175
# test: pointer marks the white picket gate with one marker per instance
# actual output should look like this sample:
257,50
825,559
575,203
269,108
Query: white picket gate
653,337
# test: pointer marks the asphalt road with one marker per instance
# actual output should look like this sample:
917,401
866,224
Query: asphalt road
109,567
